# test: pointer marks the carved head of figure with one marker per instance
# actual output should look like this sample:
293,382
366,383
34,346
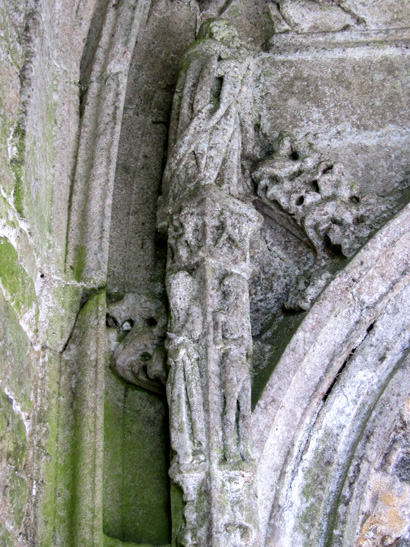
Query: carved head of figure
221,31
235,291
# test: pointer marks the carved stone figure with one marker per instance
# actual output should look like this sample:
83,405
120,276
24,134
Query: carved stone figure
232,336
207,142
314,191
207,213
184,387
139,358
323,204
185,236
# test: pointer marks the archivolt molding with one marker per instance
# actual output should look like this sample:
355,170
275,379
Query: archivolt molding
93,183
299,387
375,496
374,381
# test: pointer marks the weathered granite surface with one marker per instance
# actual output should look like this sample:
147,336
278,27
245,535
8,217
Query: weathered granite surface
204,204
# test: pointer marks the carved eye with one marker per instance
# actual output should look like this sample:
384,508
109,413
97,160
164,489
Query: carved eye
127,325
144,357
152,322
300,200
314,186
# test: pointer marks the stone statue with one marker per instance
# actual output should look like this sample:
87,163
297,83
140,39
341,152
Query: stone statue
210,111
232,336
209,218
184,387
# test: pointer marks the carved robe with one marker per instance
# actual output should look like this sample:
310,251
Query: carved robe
211,126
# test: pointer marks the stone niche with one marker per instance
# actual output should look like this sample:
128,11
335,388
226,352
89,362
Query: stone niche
204,206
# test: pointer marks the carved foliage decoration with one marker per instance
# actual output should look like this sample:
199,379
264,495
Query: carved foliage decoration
322,201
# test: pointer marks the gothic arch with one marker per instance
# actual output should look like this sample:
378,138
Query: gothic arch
348,355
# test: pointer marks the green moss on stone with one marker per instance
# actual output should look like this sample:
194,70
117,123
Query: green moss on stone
17,358
48,417
18,497
12,435
13,448
18,287
5,537
177,510
67,297
70,495
113,542
136,483
80,260
17,165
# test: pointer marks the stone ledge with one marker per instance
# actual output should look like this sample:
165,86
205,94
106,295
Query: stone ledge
292,42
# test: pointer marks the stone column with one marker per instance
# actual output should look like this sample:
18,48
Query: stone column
209,219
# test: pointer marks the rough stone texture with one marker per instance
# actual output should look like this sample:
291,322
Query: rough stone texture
327,338
86,91
316,200
351,96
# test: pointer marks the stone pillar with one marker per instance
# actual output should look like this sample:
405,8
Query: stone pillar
209,346
209,218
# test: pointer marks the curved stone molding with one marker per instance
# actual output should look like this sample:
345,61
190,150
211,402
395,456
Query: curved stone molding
375,496
92,188
336,325
365,402
76,498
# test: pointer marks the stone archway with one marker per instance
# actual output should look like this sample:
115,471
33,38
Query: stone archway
342,379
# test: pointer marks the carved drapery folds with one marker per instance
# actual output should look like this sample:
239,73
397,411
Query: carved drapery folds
208,216
184,388
211,107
